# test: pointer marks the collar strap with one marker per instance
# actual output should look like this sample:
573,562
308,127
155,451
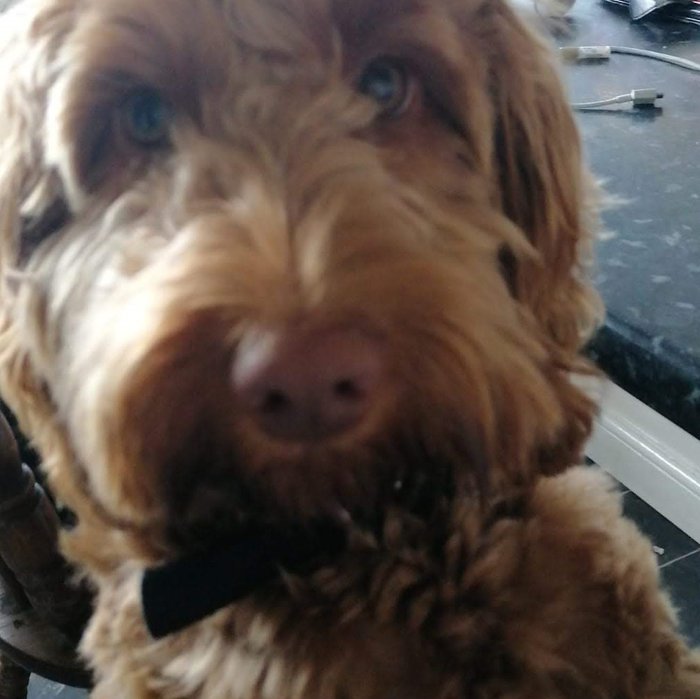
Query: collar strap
190,589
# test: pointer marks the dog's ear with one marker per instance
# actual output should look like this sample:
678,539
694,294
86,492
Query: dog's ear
31,201
541,181
545,189
32,205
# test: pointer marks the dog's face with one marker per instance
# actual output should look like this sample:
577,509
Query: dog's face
266,258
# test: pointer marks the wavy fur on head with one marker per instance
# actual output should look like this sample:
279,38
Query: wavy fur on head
455,230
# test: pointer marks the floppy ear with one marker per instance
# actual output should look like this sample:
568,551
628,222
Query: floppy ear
31,201
545,189
542,183
32,207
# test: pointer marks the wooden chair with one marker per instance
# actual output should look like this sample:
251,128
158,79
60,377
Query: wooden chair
42,614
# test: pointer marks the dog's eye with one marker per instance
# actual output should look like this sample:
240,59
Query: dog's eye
146,117
389,84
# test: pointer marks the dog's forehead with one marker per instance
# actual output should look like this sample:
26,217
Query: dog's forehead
194,40
267,24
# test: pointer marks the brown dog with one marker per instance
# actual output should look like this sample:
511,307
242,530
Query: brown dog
312,266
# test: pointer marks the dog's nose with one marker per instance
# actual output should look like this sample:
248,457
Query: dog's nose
308,385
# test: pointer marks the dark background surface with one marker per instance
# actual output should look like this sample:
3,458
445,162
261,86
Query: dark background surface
649,261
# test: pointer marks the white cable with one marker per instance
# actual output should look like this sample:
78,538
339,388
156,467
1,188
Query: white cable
596,53
620,99
674,60
638,98
602,53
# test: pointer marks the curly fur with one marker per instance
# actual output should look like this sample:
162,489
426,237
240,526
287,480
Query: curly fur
458,231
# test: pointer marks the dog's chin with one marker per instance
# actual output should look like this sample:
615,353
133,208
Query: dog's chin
344,482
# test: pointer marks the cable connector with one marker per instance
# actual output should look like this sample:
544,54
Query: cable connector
645,97
585,53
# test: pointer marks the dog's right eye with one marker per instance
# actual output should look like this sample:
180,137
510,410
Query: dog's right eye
389,84
146,118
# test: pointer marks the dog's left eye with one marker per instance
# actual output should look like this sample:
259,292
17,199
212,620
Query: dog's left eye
146,117
388,82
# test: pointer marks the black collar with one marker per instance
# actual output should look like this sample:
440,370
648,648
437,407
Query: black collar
189,589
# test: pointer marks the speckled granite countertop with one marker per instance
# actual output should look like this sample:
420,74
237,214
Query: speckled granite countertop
649,266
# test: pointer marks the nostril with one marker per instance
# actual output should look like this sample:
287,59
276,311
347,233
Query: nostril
348,390
275,402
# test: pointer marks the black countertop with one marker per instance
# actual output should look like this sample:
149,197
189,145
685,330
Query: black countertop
648,267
